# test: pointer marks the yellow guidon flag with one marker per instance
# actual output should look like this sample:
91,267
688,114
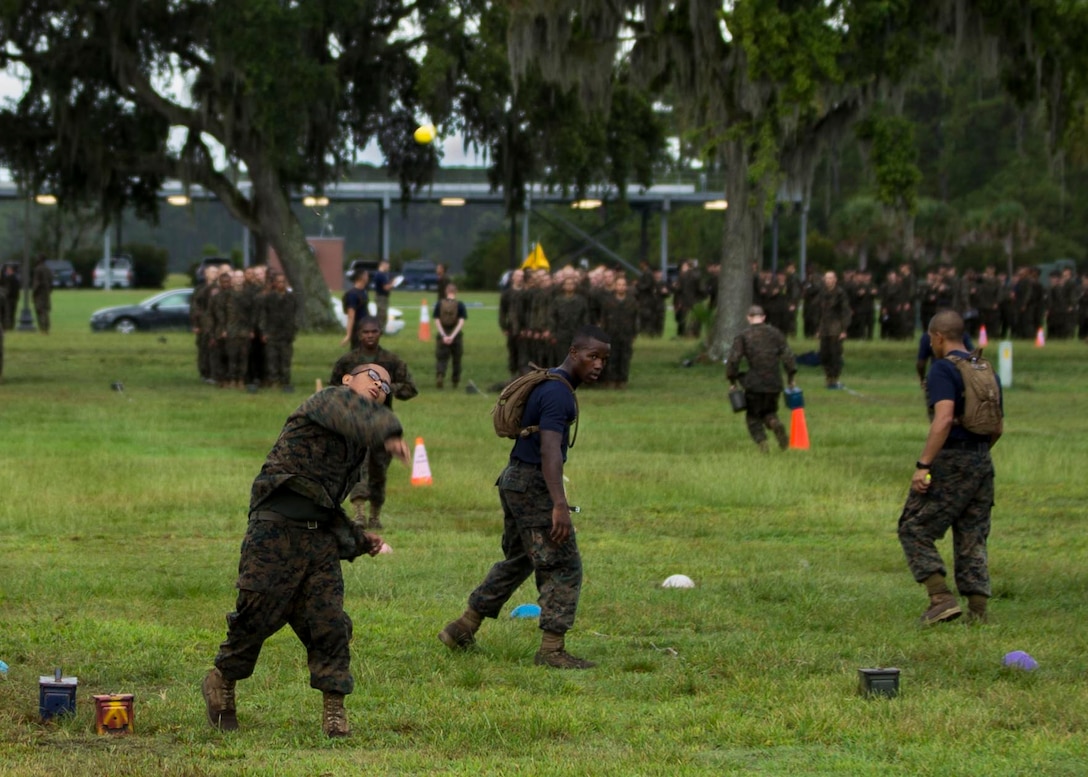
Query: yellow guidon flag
536,259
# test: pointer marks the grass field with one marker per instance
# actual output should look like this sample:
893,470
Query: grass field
121,514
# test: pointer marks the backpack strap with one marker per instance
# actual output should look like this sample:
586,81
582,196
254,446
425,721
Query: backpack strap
526,431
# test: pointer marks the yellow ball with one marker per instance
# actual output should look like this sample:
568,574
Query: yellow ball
928,478
424,134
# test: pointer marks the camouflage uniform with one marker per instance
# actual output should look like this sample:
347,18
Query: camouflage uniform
372,475
986,299
689,293
540,319
521,304
289,570
257,370
41,289
619,318
569,314
509,326
810,305
217,316
764,347
11,288
277,319
834,307
448,312
960,497
234,322
527,519
200,321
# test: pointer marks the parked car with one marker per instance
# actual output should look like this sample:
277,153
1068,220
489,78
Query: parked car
121,273
359,264
393,323
64,274
167,310
419,274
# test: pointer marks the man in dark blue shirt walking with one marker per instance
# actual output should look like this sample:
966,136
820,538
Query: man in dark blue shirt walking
952,487
538,537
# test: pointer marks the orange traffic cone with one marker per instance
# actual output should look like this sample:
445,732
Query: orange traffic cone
421,470
1040,340
424,323
798,430
983,340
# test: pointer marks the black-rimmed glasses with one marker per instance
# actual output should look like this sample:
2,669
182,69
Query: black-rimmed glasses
374,376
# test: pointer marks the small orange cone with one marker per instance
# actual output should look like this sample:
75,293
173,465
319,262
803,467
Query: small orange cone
421,470
424,323
983,340
1040,340
798,430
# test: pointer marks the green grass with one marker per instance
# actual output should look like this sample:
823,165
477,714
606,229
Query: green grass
122,512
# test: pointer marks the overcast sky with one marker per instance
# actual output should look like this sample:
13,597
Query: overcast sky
454,154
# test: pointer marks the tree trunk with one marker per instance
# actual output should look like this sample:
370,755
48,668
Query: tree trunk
742,244
279,225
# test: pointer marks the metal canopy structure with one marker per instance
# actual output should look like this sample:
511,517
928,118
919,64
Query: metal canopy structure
661,198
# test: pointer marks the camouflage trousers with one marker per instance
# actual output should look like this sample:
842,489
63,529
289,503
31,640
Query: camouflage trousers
41,312
443,353
290,575
618,368
959,497
831,357
277,358
761,410
236,348
371,477
528,550
203,358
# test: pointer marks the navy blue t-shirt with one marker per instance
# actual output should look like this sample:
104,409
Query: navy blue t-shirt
381,280
551,406
357,300
943,383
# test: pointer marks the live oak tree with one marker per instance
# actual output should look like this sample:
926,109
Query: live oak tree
765,84
264,99
535,131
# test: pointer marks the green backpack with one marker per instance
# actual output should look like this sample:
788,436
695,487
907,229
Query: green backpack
509,407
981,394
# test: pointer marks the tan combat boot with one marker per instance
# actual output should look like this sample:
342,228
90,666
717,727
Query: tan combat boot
942,604
334,718
461,633
976,610
218,694
375,521
553,653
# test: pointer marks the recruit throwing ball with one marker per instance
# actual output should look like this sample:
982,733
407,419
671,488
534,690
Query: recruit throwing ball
424,134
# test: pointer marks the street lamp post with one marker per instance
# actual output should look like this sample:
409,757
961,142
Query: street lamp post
26,318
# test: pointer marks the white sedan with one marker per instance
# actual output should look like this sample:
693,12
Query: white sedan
394,323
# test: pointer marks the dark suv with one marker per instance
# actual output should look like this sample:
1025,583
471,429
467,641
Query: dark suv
419,274
64,274
369,265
